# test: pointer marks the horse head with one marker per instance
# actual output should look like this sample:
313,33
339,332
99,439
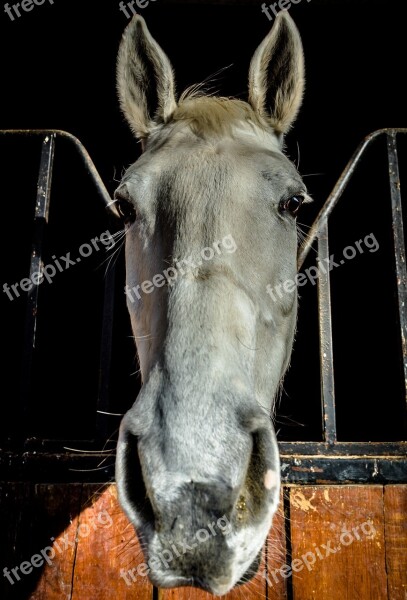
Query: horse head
209,212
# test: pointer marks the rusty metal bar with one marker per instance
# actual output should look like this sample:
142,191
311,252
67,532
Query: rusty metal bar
86,159
36,263
338,190
369,464
325,338
399,249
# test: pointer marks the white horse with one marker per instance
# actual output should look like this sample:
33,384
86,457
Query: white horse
210,216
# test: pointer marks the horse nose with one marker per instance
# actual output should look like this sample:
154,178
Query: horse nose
194,505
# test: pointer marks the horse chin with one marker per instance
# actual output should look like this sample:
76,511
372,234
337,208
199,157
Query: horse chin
251,571
217,580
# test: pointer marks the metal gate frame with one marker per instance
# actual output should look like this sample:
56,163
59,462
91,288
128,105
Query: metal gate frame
323,462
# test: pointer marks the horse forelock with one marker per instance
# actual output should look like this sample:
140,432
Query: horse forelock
215,115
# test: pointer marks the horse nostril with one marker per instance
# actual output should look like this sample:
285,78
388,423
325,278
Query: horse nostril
131,487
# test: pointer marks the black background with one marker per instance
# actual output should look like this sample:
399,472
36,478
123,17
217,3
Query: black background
58,71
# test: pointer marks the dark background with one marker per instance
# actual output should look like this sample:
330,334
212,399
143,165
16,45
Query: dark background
58,71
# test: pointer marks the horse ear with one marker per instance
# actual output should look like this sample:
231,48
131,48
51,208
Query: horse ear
276,77
145,79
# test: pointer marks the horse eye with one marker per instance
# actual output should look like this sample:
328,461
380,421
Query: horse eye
292,205
126,211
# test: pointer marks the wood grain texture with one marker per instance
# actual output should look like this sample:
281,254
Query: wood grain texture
395,513
31,516
343,538
108,551
62,510
276,588
338,547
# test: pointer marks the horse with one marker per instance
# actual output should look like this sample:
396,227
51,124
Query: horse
209,217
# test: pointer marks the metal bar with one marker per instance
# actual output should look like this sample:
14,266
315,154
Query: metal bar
68,467
36,265
399,248
86,159
40,219
343,469
338,190
325,338
349,449
56,468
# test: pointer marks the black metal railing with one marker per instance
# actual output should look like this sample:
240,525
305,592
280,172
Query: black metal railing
304,462
331,460
49,457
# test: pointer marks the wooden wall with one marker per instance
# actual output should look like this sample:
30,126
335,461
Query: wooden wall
327,543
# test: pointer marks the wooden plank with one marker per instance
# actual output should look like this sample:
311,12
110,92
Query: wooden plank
32,516
11,549
276,555
61,506
395,513
337,539
338,547
107,550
